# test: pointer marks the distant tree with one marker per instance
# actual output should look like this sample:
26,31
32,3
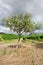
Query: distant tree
21,23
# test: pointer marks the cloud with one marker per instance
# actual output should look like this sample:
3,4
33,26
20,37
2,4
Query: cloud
4,29
35,7
10,7
5,9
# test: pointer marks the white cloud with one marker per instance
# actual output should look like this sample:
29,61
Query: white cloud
4,29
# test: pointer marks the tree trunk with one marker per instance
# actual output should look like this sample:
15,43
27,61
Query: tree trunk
17,45
19,37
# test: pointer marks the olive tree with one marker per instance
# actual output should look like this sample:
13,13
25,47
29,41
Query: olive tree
21,23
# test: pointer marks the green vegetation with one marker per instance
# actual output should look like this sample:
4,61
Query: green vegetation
10,37
35,37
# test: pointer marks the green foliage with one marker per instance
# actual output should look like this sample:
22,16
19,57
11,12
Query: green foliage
24,38
37,26
9,36
13,36
21,23
35,37
0,39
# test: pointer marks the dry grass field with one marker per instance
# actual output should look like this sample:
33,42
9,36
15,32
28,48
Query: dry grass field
26,54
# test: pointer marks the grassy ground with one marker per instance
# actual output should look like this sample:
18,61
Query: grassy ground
26,54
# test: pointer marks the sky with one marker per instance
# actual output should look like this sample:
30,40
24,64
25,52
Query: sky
10,7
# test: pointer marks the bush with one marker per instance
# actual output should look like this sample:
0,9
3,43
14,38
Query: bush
24,38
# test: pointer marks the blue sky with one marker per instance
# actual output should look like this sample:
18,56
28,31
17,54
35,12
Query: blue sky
10,7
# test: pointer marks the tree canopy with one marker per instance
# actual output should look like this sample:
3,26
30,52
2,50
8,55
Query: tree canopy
21,23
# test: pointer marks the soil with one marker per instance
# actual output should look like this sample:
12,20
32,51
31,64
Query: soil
24,55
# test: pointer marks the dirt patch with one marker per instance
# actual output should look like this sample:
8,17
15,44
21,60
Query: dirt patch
25,55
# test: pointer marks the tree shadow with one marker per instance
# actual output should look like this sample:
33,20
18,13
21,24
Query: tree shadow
39,45
15,46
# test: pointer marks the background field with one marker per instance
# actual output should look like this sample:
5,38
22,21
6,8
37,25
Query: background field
10,37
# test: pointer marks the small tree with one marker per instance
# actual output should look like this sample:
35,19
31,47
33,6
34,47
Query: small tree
21,23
